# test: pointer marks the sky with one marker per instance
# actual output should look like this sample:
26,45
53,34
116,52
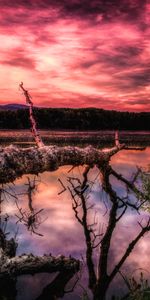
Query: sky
76,53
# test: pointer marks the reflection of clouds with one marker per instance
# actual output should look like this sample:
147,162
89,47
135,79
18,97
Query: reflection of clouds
128,230
126,162
63,234
132,158
60,228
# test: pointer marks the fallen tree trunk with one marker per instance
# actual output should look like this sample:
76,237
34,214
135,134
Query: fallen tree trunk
30,264
12,266
15,162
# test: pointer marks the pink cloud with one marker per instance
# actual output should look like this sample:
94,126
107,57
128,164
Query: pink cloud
74,60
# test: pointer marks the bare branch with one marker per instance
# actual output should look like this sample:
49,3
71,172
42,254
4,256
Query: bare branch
64,188
129,249
20,161
36,135
117,143
129,184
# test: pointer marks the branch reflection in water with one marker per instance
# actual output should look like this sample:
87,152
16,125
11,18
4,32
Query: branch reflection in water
63,233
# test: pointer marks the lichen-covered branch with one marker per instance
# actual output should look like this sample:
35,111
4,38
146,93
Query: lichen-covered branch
15,162
12,266
30,264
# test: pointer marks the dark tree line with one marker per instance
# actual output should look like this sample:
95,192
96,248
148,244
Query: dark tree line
78,119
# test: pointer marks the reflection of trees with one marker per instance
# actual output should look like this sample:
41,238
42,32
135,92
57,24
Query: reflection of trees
14,162
12,266
49,158
30,218
100,281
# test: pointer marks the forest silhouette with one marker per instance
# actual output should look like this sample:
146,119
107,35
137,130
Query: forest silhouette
78,119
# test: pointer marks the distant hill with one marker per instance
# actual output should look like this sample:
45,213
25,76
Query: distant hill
15,117
13,106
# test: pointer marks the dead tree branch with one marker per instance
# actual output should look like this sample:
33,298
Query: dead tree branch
15,162
36,135
30,264
12,266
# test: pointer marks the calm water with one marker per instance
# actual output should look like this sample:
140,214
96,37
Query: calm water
97,138
62,234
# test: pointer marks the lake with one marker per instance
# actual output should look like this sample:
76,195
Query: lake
99,138
61,232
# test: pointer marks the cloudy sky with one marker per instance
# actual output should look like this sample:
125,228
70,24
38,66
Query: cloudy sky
76,53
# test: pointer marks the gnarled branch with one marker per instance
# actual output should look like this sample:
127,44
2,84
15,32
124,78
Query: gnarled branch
15,162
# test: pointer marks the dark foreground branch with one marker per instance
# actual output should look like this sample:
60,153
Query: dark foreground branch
12,266
30,264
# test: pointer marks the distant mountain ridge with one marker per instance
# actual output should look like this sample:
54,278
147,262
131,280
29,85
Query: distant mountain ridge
13,106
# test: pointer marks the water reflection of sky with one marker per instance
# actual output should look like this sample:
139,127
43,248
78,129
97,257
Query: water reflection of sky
63,234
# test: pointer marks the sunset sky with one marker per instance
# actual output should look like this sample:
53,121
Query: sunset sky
76,53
